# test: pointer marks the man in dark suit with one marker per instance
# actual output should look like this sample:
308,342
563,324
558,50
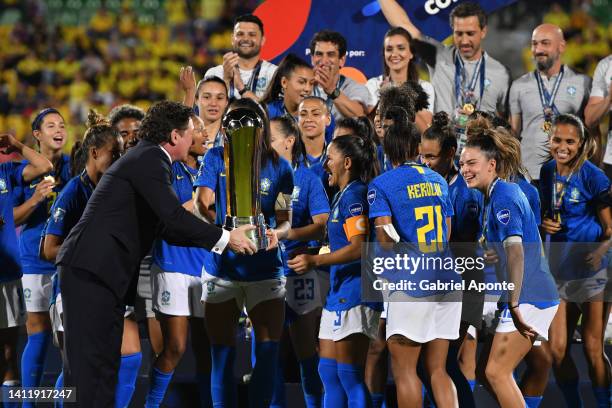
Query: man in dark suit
133,204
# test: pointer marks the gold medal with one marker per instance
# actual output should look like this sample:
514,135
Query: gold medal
468,108
546,126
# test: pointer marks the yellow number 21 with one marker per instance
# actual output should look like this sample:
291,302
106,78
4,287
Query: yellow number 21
431,225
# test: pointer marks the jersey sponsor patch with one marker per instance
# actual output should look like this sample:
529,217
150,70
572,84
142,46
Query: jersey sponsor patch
503,216
3,188
371,196
356,209
354,226
571,90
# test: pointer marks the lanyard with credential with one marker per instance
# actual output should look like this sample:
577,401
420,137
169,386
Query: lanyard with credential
485,215
252,84
468,104
548,99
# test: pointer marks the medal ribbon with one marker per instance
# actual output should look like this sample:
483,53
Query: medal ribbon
192,176
548,99
87,181
338,196
485,213
461,74
557,197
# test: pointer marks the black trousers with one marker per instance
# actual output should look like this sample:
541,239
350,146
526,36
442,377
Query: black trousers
93,328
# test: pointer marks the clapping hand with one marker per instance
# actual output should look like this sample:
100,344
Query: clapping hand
230,62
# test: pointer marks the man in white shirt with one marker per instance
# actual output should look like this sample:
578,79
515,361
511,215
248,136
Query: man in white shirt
537,97
243,70
344,96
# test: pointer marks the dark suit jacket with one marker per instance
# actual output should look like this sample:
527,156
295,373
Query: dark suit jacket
133,204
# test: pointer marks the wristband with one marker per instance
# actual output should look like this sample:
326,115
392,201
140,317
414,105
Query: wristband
513,307
242,91
334,94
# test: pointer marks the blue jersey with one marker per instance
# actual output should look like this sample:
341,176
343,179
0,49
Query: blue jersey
66,213
69,206
577,201
170,258
29,239
418,202
308,199
467,208
348,218
507,213
275,178
383,161
532,194
10,179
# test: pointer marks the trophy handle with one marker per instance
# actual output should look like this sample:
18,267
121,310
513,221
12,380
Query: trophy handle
257,236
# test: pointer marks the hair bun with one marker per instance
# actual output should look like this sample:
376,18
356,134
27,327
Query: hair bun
477,125
440,120
94,119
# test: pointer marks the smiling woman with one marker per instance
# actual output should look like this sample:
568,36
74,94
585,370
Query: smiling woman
570,187
510,232
292,82
35,200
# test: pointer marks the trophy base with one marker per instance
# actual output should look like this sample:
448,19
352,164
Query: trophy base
257,236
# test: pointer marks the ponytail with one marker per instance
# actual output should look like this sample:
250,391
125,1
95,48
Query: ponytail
364,163
401,141
289,127
77,159
497,144
99,132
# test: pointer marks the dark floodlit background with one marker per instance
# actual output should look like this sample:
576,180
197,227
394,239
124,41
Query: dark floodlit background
77,54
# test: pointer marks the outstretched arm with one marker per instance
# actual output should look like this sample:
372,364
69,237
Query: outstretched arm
397,17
